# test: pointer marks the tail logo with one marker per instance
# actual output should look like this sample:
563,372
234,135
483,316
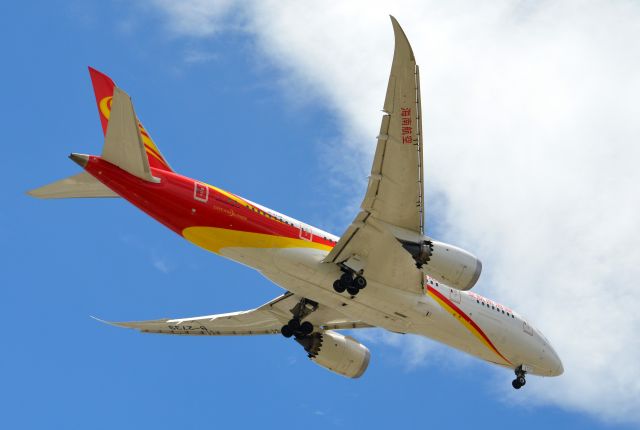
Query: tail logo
105,107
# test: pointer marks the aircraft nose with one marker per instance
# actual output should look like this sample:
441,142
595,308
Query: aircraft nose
555,364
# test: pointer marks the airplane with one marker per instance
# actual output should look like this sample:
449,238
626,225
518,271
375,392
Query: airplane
384,271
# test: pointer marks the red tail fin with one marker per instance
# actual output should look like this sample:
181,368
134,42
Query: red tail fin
103,88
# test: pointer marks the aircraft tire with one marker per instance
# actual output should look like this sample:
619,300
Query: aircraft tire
352,290
346,279
360,282
294,325
286,331
306,328
338,287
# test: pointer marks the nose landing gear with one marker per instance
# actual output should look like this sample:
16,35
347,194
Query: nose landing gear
520,380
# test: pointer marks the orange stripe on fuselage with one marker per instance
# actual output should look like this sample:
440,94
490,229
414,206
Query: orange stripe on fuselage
464,319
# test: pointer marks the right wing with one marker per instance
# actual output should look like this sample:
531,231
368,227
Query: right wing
266,319
395,190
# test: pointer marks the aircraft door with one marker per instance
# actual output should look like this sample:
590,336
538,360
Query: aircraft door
200,192
454,295
527,328
305,233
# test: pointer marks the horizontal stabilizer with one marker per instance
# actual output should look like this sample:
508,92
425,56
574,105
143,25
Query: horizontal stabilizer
77,186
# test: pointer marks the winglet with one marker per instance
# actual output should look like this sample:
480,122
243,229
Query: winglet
115,323
400,37
104,321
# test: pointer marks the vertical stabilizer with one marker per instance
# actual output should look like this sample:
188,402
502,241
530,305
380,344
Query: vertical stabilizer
103,88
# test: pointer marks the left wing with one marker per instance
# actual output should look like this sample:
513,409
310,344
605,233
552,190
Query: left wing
266,319
394,196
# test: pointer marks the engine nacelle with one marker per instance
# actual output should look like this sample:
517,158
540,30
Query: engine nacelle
340,354
446,263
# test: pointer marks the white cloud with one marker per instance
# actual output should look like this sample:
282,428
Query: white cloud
415,351
531,120
160,265
196,17
197,56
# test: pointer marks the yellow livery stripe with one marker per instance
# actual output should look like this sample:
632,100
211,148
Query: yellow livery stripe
214,239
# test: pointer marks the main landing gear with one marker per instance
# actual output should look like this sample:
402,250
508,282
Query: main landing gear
300,311
520,380
295,328
350,282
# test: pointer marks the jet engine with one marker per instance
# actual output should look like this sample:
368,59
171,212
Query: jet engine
340,354
445,263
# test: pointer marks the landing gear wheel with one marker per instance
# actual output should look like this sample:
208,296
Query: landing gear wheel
294,325
360,282
286,331
306,328
338,287
346,279
352,290
520,380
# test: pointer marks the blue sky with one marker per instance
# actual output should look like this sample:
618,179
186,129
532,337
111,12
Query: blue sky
217,109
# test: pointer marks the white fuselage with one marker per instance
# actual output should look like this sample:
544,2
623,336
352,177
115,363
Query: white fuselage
461,319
